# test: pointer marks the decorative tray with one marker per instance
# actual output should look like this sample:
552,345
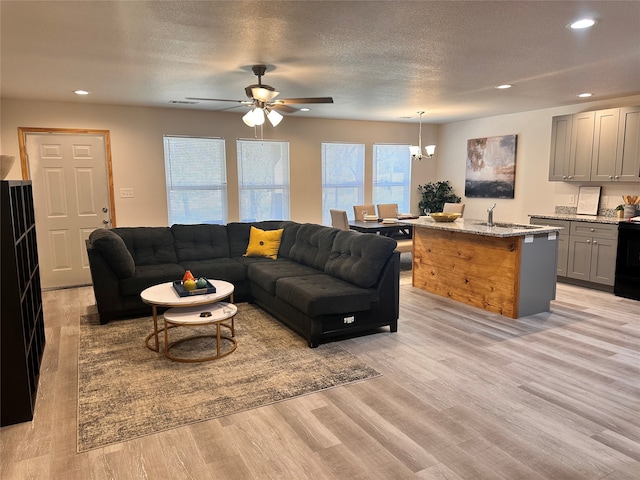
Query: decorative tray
183,292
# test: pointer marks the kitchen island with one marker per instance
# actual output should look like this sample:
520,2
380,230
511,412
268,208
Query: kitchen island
506,268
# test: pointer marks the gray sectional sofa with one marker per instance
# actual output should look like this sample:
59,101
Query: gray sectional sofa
325,283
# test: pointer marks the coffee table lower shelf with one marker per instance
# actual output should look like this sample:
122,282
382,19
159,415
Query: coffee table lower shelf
222,315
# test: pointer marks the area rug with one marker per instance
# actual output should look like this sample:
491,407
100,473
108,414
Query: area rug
126,390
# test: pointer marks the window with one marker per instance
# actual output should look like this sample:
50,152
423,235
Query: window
392,175
196,176
263,180
342,178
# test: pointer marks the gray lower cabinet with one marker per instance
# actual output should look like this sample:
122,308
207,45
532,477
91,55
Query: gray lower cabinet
592,252
586,250
563,241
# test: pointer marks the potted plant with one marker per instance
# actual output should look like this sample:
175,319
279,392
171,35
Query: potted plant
620,211
435,195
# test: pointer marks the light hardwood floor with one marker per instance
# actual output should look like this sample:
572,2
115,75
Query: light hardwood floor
464,394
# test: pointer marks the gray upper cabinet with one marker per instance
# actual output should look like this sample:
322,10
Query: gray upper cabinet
560,147
581,147
605,145
600,146
571,147
628,150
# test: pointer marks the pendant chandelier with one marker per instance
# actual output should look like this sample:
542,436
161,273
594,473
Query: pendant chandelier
416,151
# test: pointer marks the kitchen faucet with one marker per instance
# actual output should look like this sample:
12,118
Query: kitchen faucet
490,216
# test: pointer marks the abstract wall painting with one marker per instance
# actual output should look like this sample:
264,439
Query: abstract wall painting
491,167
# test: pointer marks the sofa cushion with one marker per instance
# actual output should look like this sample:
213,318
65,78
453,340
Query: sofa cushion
288,238
149,245
147,275
264,243
216,268
266,274
313,245
238,234
323,294
358,258
198,242
114,251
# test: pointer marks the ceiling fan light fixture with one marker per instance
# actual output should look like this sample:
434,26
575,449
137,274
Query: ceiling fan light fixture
247,118
263,94
274,117
257,116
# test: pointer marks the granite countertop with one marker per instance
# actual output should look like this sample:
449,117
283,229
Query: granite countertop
580,218
475,227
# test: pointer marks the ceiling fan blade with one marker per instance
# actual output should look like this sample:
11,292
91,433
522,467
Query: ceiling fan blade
282,107
245,102
287,101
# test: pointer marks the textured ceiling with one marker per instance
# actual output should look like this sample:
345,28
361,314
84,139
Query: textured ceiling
378,60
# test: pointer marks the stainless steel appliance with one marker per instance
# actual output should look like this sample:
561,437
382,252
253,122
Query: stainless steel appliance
627,282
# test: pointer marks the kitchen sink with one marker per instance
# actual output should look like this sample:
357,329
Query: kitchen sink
513,226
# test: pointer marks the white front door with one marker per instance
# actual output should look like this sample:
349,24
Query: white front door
71,199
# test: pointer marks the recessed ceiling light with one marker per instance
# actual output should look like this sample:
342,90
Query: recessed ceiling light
81,92
305,109
585,95
504,87
582,23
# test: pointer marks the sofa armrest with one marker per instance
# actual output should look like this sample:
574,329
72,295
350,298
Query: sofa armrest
114,251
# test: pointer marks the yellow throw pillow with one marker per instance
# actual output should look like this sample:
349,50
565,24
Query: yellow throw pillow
263,243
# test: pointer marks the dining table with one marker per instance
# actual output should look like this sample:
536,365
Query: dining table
395,229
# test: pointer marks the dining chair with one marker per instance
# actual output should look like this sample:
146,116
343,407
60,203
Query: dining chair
387,210
404,245
454,208
360,210
339,219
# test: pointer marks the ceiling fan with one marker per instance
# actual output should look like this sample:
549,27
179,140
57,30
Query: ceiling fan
262,100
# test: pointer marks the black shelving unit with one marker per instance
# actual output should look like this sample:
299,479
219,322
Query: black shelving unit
22,338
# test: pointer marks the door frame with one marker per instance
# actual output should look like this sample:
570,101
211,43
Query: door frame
24,162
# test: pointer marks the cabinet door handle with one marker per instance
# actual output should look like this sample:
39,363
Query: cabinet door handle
592,229
595,242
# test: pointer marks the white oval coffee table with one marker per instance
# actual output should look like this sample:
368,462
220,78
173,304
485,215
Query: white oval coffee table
164,295
215,314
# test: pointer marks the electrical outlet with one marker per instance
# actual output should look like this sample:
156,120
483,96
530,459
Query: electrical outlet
126,193
572,199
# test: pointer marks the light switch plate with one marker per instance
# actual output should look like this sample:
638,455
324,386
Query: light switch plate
126,193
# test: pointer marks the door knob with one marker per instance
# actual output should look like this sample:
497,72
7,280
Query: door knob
106,222
105,209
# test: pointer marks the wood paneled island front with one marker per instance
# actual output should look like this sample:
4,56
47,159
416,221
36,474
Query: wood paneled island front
508,269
